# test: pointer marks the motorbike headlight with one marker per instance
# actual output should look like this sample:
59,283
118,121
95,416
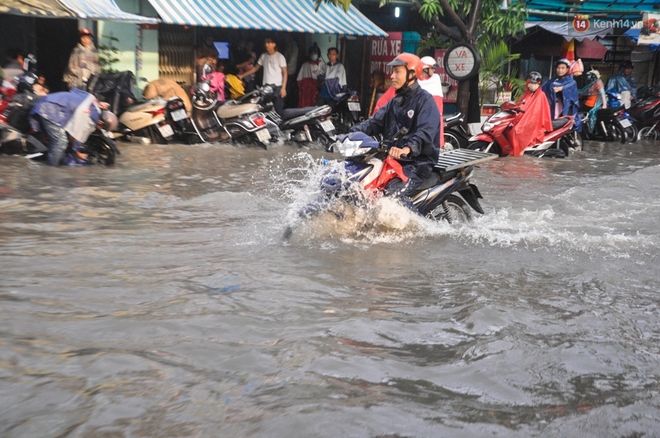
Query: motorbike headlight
205,87
349,148
487,127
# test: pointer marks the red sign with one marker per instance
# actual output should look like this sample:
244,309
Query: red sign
384,50
581,23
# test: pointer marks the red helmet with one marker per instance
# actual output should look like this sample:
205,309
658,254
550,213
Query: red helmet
84,32
412,63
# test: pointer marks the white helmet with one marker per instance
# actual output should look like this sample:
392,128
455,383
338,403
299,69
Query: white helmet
428,61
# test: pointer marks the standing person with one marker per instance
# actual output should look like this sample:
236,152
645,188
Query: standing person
535,120
83,62
245,59
68,118
414,109
291,55
308,78
562,93
595,92
275,71
624,83
333,78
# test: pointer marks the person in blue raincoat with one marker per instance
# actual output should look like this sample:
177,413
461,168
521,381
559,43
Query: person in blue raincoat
562,93
67,118
414,109
623,82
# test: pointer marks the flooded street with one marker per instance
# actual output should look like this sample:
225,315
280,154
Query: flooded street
157,298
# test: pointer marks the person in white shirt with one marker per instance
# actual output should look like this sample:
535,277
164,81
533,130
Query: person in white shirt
275,71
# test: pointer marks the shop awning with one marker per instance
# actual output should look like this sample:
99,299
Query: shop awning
104,10
35,8
566,30
274,15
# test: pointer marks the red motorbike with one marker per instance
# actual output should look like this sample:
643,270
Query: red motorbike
556,143
647,114
7,91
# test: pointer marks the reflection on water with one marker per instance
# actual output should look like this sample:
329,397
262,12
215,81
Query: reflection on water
158,298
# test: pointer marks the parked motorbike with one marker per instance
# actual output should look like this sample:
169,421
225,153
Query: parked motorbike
456,136
557,143
346,112
204,120
156,120
613,123
311,124
646,112
446,195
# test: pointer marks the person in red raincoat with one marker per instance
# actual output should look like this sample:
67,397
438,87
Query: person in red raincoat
535,121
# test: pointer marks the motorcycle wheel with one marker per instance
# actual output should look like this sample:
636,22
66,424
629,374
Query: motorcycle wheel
631,133
344,122
452,210
99,152
572,142
616,133
454,140
647,133
484,146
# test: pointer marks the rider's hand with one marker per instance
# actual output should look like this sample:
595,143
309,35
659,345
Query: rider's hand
397,153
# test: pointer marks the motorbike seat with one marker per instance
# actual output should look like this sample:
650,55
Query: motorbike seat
290,113
146,105
558,123
231,111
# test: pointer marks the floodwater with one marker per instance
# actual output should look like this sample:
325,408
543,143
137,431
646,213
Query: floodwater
157,298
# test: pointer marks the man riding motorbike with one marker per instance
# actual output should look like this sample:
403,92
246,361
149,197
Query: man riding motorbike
562,93
414,110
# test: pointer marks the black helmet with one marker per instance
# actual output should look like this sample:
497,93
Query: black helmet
627,64
534,77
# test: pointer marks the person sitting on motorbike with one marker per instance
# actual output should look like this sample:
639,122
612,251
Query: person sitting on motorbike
68,118
414,109
562,93
624,83
535,120
595,92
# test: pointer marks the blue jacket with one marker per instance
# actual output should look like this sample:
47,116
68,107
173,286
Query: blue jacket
414,109
568,96
58,108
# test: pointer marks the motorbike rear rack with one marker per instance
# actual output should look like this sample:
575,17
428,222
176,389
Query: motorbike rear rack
460,158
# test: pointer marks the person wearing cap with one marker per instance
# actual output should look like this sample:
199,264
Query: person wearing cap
562,93
431,82
624,83
414,110
67,119
83,62
275,71
595,96
535,118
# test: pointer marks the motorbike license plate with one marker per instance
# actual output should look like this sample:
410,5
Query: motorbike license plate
354,106
166,130
327,125
625,123
263,135
179,114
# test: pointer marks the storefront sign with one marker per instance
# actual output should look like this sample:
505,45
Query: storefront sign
384,50
450,85
650,33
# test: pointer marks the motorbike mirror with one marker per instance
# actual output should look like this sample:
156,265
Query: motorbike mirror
144,80
403,131
206,70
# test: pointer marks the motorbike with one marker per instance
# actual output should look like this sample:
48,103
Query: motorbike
612,123
155,120
203,119
646,112
16,139
346,111
557,143
447,194
456,136
311,124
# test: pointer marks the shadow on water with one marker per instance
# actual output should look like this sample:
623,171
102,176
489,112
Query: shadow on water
158,298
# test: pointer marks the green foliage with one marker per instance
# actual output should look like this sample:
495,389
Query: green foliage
108,53
494,59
